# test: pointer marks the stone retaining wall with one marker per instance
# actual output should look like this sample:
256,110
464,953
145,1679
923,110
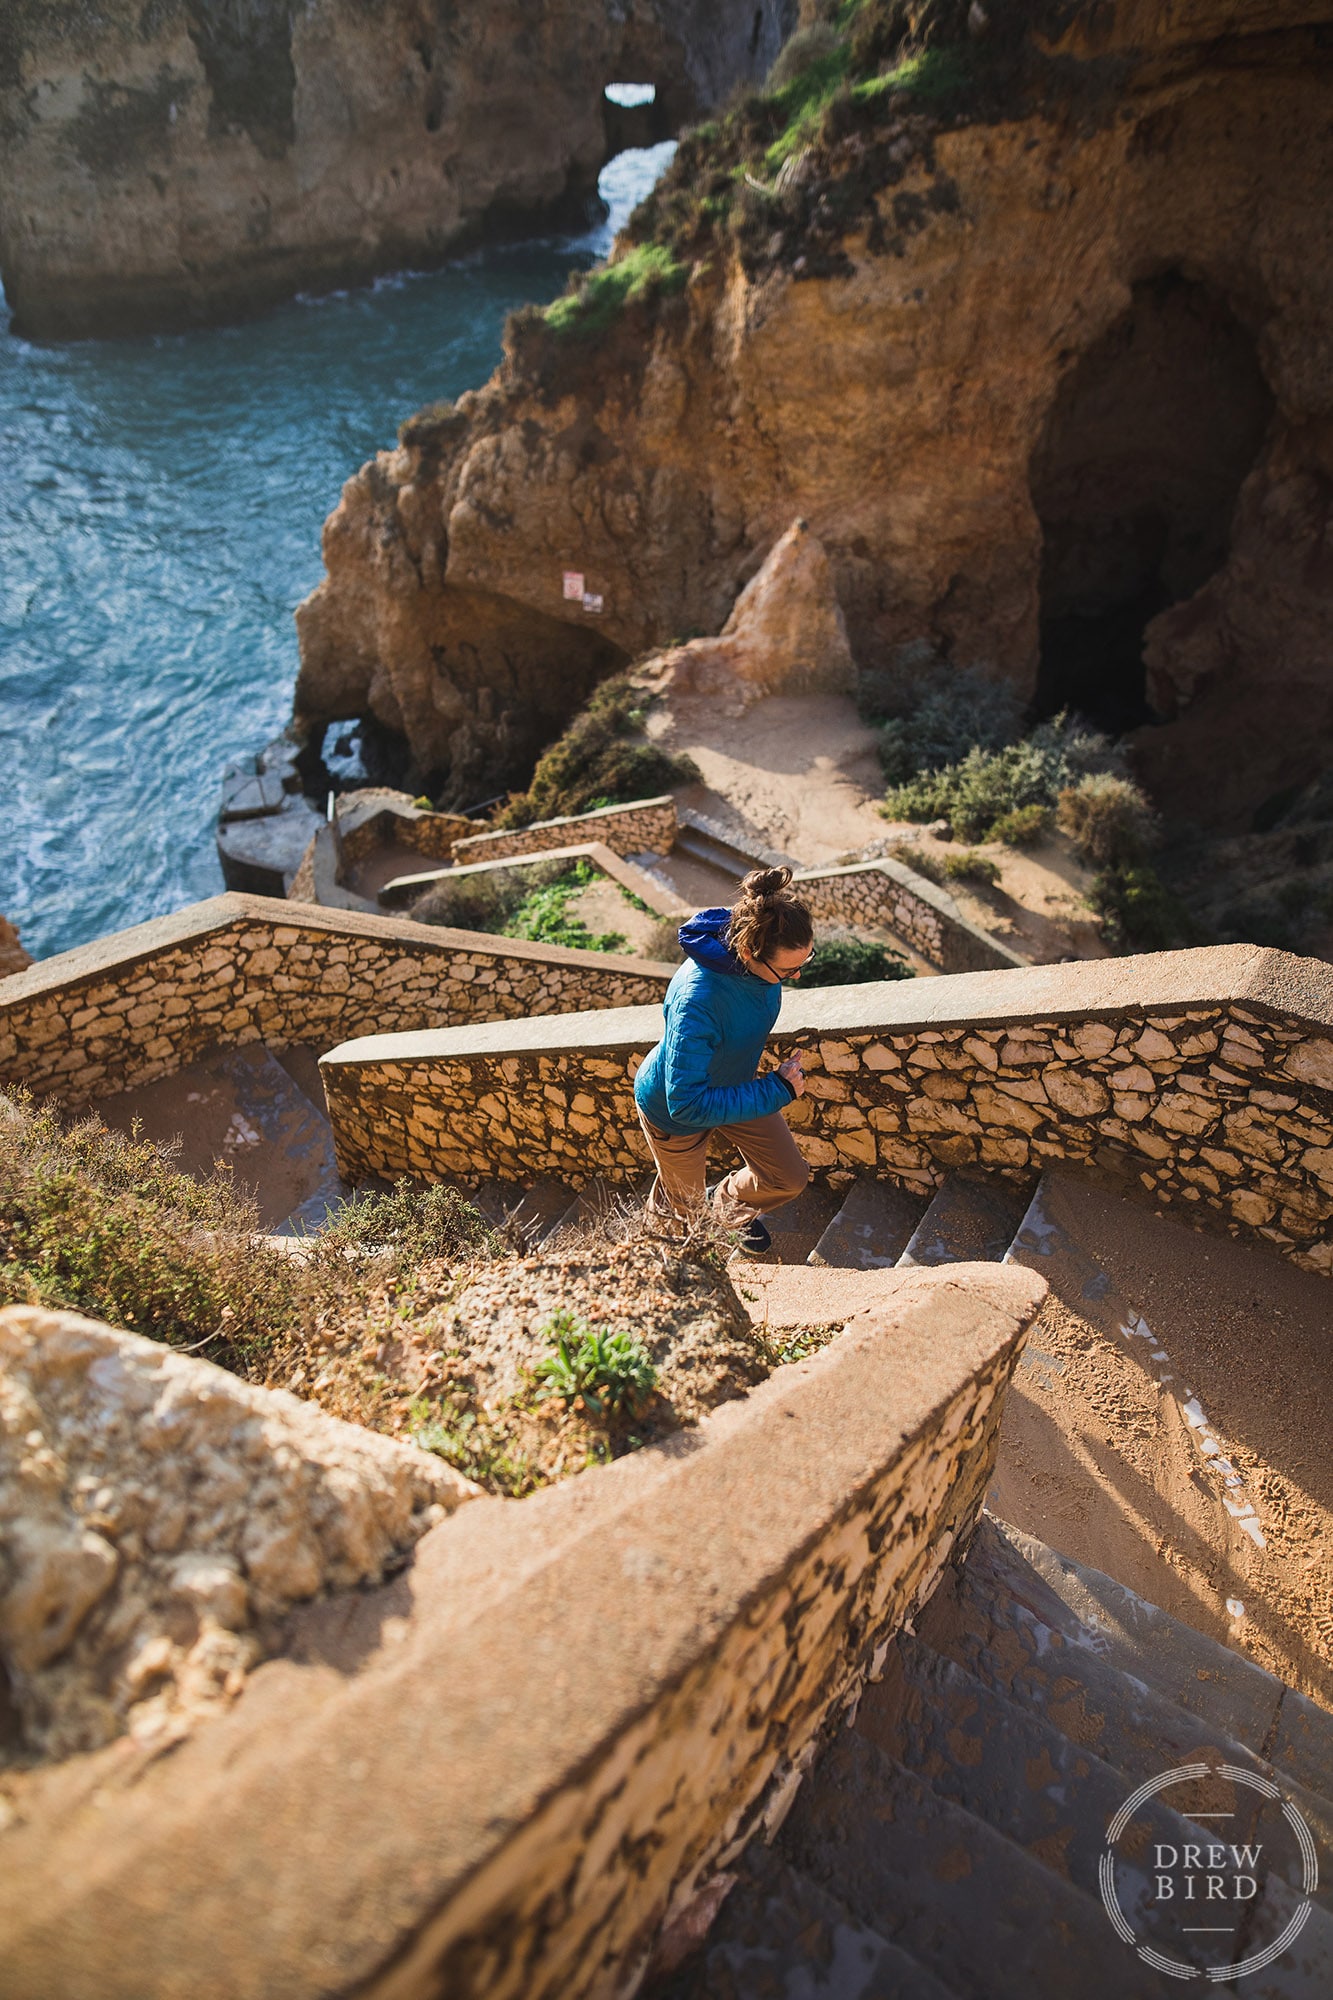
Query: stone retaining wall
142,1003
563,1722
885,893
661,901
1204,1077
646,827
374,813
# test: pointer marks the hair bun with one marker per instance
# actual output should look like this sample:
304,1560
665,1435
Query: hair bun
762,883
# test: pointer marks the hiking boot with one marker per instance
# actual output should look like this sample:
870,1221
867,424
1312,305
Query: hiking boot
755,1237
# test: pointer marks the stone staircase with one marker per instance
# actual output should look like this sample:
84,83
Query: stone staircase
947,1844
260,1111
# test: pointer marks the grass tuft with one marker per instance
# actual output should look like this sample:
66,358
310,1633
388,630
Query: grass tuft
644,273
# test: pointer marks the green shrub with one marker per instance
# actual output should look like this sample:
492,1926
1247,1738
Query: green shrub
610,1372
1023,827
475,1444
970,866
484,902
930,714
543,915
1139,912
987,785
840,959
98,1223
598,759
1107,818
920,859
812,44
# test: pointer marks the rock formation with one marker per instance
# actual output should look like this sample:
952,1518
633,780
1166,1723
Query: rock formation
155,1512
13,958
786,634
1040,347
192,160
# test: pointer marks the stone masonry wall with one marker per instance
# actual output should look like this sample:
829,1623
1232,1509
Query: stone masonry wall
613,1687
720,1756
646,827
248,968
927,918
1203,1077
663,902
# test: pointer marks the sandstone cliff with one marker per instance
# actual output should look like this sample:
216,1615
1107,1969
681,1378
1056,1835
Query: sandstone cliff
1037,335
13,958
189,160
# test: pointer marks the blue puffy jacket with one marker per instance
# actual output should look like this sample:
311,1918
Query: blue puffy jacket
718,1017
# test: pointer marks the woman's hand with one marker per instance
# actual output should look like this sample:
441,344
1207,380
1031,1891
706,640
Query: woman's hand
792,1073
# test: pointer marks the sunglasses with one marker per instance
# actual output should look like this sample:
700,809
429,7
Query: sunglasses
783,974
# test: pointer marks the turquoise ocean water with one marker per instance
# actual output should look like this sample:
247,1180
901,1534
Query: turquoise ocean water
160,511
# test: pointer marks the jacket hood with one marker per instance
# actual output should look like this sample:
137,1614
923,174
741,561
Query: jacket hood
704,939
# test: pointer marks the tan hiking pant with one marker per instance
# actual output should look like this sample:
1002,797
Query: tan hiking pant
774,1172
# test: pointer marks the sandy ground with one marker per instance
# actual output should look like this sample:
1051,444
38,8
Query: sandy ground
604,907
798,773
1038,907
801,774
1099,1455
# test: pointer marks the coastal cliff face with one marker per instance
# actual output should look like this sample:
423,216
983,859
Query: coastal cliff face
1034,344
169,162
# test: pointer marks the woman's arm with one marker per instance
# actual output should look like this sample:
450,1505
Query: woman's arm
696,1103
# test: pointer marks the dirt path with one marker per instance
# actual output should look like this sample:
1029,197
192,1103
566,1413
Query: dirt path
801,774
798,773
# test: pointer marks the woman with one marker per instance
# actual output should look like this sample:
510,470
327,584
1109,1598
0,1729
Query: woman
701,1078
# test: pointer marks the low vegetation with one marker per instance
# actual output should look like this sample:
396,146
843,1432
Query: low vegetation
544,915
534,901
1108,820
957,756
842,959
409,1312
602,759
786,171
104,1225
984,788
644,274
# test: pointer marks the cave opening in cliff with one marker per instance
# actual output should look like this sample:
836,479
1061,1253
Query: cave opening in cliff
1135,479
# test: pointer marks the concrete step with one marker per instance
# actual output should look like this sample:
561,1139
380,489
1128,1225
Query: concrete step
697,844
871,1229
781,1936
1010,1766
970,1220
793,1295
797,1228
301,1062
1091,1610
241,1106
1091,1684
1192,1378
981,1916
